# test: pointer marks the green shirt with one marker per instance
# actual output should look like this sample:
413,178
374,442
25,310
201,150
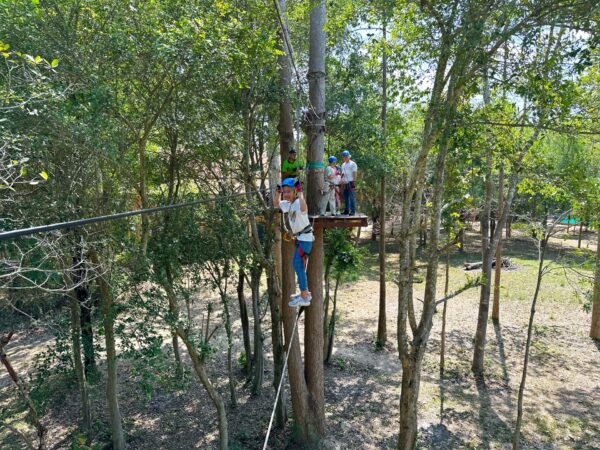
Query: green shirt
292,167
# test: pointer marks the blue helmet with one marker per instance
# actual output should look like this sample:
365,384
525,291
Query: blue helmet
289,182
346,153
332,159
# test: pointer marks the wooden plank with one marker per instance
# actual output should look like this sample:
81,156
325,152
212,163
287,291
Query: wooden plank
339,221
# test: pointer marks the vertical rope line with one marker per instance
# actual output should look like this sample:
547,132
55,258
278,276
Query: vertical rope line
287,354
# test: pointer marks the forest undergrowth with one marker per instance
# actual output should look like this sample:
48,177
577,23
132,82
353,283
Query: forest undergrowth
362,384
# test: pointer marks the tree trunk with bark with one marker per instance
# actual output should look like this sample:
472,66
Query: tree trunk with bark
486,253
86,413
82,295
169,288
112,382
444,311
332,320
313,335
143,192
595,328
298,387
382,319
198,364
542,253
245,323
272,249
484,298
498,268
259,360
412,359
172,137
228,331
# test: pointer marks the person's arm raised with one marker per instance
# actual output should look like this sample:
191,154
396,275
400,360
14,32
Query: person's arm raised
303,205
300,194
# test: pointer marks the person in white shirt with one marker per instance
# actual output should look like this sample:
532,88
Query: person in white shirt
349,170
294,205
331,180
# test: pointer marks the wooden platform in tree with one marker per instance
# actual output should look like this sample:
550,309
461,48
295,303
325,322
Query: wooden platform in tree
358,220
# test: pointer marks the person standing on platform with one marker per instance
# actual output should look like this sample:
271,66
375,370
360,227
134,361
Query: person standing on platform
331,180
291,167
349,172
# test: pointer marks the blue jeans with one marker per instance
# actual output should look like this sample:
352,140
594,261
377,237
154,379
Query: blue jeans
349,200
302,248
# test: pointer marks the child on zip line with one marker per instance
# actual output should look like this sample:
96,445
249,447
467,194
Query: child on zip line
294,205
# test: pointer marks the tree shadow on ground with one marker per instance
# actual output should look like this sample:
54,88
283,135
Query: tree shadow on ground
439,437
576,415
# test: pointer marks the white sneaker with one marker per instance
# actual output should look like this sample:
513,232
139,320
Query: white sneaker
300,301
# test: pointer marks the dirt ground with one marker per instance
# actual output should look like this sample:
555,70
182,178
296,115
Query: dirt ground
362,385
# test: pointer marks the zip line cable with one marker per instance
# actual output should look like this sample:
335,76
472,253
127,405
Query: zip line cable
6,235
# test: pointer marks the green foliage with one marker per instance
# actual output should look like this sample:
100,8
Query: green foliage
56,360
243,360
347,259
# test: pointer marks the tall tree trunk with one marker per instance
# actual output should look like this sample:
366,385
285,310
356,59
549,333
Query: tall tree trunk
245,322
87,330
595,329
438,120
443,339
332,320
327,276
82,294
214,395
172,137
486,267
257,380
411,356
168,285
382,320
498,268
298,388
540,274
275,300
580,236
272,246
313,336
228,331
112,385
143,191
409,395
86,413
484,298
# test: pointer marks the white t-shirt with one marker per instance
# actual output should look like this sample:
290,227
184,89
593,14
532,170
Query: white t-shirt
348,170
298,219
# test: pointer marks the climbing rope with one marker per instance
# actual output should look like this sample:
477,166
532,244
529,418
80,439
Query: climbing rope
287,354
